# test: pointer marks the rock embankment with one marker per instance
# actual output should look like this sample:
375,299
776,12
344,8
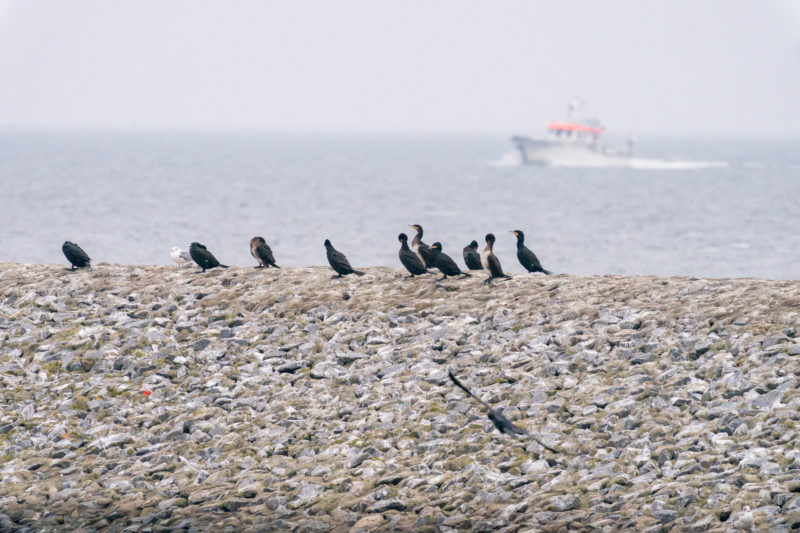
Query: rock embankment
156,398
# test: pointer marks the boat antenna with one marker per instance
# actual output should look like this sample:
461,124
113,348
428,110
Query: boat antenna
631,142
573,106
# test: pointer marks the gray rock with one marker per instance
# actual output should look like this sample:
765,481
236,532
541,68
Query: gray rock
388,505
665,516
565,503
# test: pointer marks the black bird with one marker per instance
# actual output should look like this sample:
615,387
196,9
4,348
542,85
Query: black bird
203,257
490,262
338,261
410,260
471,256
422,249
262,252
75,255
503,424
526,257
444,263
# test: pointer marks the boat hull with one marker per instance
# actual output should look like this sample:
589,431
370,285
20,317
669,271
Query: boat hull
550,152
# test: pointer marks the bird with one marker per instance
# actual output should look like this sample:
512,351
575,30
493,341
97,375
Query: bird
503,424
444,263
490,262
471,256
75,255
339,262
744,519
410,260
180,256
203,257
421,249
526,257
262,252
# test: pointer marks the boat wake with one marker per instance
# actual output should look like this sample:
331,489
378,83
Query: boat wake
508,159
659,164
514,159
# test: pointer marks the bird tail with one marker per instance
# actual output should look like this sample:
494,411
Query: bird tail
466,274
276,266
224,266
546,272
358,273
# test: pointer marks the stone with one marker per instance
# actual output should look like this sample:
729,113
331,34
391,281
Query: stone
367,523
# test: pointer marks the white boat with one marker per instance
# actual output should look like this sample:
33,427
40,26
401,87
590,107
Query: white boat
572,143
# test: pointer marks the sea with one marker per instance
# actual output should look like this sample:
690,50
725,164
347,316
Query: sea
706,207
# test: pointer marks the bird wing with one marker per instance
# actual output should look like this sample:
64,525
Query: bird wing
462,387
412,262
265,253
526,255
472,259
185,255
83,255
75,252
494,266
446,264
500,421
206,258
427,253
340,259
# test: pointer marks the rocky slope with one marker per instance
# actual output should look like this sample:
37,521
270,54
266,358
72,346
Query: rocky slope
156,398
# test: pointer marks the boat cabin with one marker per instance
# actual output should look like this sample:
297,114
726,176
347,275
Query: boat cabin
573,131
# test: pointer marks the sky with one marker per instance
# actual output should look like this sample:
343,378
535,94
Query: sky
674,67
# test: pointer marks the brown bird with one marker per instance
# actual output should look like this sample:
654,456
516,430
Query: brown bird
410,260
471,256
490,262
262,252
420,248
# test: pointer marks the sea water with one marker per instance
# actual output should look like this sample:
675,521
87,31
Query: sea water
703,207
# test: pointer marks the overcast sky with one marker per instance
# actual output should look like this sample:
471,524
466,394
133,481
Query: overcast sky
655,67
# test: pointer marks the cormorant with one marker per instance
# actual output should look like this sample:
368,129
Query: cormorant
75,255
490,262
338,261
444,263
422,249
503,424
262,252
180,256
471,256
526,257
203,257
410,260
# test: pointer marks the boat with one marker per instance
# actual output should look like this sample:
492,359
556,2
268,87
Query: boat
572,142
